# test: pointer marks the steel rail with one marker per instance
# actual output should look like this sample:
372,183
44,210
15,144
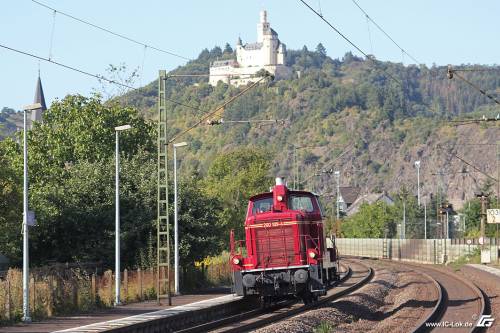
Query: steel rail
299,309
249,314
442,302
437,311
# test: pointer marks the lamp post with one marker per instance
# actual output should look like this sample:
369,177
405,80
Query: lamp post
425,220
176,225
404,219
417,165
117,213
337,176
26,222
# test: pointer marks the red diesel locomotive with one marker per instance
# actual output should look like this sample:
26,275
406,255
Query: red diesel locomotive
285,252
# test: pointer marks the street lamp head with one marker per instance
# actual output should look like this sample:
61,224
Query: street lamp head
180,144
32,107
337,173
123,128
417,164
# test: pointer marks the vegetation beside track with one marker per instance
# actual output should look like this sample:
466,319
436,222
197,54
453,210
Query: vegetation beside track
473,258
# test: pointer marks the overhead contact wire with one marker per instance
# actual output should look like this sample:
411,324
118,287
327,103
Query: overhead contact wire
349,41
384,32
111,32
477,88
99,77
217,110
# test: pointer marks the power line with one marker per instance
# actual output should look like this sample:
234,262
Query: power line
219,109
330,163
473,121
349,41
99,77
452,72
110,32
468,163
385,33
476,69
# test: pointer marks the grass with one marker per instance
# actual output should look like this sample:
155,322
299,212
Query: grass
473,258
324,327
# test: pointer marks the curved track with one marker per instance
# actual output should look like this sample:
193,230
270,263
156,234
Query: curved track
461,304
357,275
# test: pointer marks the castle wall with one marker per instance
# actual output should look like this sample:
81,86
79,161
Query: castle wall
268,53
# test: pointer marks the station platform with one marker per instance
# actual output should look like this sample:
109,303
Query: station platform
122,315
489,269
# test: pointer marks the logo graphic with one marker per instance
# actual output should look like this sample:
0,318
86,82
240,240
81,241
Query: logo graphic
485,321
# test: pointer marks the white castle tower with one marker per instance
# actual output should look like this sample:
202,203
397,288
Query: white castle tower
267,53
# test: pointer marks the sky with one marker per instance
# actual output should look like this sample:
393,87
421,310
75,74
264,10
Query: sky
434,32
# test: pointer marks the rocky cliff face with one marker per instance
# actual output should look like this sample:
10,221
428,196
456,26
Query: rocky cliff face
385,165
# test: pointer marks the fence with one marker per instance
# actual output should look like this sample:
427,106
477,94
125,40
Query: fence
69,291
63,291
430,251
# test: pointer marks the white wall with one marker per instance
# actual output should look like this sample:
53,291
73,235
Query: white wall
430,251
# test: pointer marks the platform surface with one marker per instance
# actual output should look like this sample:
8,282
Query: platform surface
120,316
489,269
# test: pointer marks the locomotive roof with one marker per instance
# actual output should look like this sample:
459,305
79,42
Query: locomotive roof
265,194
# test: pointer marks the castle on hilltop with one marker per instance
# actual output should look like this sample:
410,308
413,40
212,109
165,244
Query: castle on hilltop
267,53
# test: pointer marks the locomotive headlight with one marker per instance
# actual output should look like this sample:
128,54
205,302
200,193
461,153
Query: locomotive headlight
280,198
312,255
236,261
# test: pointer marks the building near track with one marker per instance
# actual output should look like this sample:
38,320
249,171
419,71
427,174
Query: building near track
268,54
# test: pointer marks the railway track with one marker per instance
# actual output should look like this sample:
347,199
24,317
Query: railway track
357,275
460,303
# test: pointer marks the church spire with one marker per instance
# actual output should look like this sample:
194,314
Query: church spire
36,115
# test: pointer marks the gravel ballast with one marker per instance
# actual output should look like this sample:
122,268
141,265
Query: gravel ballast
394,301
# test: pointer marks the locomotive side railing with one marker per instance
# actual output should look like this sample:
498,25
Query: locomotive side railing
314,241
235,246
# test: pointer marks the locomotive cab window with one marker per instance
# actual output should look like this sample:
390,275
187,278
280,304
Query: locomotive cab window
262,205
301,202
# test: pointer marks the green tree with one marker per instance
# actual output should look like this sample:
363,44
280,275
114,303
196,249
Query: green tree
233,178
200,234
228,49
321,50
371,221
71,170
76,215
80,128
10,208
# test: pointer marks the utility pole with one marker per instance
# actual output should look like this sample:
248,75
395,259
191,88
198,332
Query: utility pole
482,197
